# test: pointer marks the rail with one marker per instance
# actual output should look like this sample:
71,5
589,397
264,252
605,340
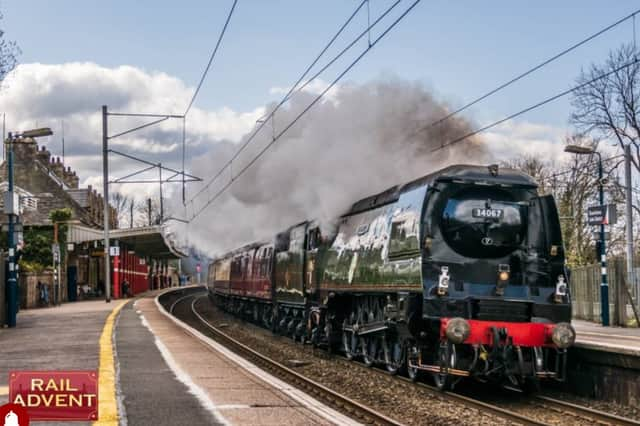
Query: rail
368,415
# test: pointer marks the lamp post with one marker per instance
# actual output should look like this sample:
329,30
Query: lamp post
12,210
604,285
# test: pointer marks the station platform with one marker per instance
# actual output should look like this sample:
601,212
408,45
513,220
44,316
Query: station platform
151,371
620,340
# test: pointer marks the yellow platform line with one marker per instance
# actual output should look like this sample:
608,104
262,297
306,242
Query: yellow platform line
107,403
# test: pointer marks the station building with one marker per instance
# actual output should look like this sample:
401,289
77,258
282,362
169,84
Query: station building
45,184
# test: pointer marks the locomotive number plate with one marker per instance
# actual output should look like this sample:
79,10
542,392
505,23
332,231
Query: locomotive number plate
489,213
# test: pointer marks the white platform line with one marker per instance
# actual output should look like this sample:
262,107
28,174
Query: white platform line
196,390
607,347
294,393
601,334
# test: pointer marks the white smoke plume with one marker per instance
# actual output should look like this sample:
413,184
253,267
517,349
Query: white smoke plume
362,140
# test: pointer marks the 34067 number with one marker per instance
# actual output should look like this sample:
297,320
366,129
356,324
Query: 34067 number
488,213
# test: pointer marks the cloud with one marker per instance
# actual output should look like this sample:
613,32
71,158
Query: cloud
517,138
44,95
314,87
366,139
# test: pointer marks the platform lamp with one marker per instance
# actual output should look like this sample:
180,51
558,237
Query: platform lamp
604,285
12,210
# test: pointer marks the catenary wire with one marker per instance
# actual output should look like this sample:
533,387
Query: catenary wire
451,114
306,109
533,69
293,88
535,106
213,55
457,140
466,136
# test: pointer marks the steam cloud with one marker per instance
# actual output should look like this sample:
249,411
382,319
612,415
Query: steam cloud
361,140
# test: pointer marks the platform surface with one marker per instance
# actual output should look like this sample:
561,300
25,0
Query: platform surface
163,375
57,338
610,339
238,393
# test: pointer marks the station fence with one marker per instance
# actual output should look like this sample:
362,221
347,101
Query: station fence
585,292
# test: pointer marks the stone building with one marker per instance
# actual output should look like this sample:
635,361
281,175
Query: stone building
43,184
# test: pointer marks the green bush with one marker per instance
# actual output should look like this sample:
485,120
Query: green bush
37,248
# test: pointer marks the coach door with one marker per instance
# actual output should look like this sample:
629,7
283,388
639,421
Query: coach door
313,241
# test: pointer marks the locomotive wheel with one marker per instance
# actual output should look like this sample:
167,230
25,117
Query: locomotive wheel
446,358
413,358
369,350
392,355
349,343
331,336
300,333
315,337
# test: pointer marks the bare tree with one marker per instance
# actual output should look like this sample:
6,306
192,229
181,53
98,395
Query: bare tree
609,107
540,170
576,188
121,203
148,212
574,185
9,52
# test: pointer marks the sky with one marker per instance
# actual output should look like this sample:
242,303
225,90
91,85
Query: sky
459,49
147,56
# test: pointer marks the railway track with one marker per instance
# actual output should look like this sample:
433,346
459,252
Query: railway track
536,410
522,411
599,417
334,399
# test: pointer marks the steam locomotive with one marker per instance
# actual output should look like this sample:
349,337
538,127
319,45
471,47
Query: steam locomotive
456,274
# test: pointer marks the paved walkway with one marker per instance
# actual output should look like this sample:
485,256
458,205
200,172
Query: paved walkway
161,375
611,339
150,392
239,393
57,338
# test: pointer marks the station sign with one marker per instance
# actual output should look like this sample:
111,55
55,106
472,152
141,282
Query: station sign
602,215
55,249
114,251
56,395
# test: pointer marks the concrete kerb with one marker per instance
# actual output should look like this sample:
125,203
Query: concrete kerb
297,395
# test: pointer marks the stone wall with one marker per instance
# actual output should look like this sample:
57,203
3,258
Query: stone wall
29,295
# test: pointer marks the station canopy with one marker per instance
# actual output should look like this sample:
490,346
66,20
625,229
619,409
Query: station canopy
146,241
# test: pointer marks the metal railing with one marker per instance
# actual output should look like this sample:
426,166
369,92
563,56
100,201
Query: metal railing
585,292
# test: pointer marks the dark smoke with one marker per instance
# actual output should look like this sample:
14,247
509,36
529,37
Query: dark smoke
361,140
